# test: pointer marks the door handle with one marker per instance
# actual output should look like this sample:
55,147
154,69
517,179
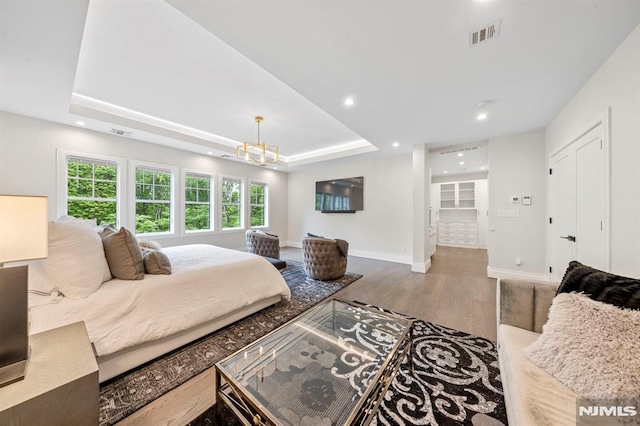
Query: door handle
570,238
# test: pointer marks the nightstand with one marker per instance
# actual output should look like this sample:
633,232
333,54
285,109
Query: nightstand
60,386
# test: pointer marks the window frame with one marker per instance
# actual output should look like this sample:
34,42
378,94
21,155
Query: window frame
213,202
265,204
62,196
174,211
242,207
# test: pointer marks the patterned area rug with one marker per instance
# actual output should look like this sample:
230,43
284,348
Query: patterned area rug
123,395
455,381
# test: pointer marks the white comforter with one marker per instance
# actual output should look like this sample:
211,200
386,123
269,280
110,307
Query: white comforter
206,282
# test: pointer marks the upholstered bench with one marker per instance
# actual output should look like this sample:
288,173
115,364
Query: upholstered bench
280,265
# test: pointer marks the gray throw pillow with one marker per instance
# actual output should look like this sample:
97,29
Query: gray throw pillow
156,262
123,254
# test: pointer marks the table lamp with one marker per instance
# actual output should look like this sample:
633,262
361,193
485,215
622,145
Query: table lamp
23,236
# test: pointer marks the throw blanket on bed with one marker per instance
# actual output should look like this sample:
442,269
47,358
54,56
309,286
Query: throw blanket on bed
207,282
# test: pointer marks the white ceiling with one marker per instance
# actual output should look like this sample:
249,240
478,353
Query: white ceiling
194,73
460,159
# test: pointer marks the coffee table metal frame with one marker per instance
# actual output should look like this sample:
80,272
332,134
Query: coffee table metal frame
250,412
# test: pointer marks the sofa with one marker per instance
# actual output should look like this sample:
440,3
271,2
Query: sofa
532,396
568,352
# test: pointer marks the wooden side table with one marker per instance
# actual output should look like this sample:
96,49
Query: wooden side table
60,386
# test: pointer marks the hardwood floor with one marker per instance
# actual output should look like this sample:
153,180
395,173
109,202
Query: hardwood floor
454,293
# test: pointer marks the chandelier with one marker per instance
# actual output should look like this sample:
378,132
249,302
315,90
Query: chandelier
258,152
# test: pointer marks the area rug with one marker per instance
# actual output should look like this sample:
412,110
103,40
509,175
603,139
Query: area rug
122,396
455,381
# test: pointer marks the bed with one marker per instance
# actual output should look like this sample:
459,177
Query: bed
132,322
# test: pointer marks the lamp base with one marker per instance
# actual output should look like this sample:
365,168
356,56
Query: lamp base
12,373
14,333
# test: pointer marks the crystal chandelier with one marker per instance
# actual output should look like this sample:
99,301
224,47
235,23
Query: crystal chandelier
258,152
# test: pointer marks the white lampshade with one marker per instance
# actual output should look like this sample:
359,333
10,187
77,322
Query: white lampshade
23,228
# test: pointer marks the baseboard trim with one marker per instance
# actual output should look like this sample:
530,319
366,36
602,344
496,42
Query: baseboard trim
405,260
421,267
517,275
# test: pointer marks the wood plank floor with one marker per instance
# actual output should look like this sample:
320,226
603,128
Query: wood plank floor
454,293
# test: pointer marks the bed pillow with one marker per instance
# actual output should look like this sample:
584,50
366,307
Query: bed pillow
602,286
156,262
76,262
591,347
123,254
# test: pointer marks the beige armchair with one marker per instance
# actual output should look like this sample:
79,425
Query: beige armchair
263,244
324,259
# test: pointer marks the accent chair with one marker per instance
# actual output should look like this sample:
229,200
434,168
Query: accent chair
263,244
324,258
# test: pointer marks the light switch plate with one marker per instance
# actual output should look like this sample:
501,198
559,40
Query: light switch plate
526,200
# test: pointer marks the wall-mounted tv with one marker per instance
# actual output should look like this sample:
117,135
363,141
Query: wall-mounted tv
340,195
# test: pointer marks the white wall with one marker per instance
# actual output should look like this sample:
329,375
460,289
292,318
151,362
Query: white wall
617,85
517,166
383,230
28,166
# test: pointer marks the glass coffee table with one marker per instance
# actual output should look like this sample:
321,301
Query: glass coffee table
332,365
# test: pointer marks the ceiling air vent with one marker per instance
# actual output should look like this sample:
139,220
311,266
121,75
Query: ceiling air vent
120,132
225,156
483,34
472,148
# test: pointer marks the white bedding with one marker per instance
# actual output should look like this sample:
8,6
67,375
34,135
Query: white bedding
206,282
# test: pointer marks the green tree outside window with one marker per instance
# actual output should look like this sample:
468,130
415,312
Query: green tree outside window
258,203
197,209
92,189
153,200
231,203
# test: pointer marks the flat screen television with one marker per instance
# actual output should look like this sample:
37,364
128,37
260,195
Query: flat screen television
340,195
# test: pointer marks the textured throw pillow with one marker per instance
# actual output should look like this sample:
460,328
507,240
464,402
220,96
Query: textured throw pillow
590,347
156,262
123,254
76,262
152,245
602,286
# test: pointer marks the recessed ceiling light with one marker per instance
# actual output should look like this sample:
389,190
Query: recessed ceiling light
482,168
396,144
461,163
80,123
446,171
210,152
460,154
275,168
349,101
482,116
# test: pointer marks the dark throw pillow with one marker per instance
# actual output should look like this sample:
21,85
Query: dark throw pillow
309,234
601,286
343,246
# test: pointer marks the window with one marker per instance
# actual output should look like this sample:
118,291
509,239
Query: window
258,204
154,201
197,206
231,203
91,188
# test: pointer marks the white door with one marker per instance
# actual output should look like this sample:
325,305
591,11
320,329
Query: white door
563,199
578,195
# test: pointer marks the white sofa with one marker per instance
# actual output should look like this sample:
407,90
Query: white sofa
532,396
